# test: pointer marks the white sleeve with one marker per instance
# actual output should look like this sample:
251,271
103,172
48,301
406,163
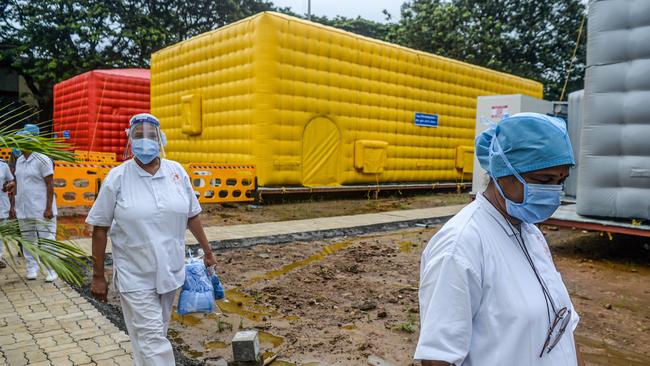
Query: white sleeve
450,294
195,206
7,172
103,210
45,166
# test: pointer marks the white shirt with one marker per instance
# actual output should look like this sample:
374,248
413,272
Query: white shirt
148,217
5,176
480,302
31,191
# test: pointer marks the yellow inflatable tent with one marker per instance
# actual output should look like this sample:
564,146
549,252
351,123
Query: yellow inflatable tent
316,106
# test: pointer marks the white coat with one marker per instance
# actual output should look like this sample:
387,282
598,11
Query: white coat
5,206
5,176
147,216
480,302
31,200
31,192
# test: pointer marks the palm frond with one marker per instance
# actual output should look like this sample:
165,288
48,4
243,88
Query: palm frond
66,258
52,147
10,123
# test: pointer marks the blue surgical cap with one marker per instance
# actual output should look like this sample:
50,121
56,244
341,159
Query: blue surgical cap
33,129
530,141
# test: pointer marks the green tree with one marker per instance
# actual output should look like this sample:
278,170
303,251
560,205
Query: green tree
529,38
147,26
357,25
47,41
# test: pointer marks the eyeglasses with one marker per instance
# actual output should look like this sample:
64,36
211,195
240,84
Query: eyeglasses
556,330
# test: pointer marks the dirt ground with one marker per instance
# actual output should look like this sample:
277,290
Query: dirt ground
341,301
71,220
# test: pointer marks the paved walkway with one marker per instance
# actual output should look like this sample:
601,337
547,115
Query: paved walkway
248,231
51,324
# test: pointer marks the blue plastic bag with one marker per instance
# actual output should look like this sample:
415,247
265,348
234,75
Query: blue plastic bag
197,293
219,293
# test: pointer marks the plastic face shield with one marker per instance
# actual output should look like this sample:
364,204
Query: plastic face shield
143,129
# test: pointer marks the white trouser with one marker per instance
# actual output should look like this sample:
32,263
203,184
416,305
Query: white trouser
2,243
33,229
147,315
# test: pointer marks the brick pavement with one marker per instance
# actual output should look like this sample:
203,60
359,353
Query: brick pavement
51,324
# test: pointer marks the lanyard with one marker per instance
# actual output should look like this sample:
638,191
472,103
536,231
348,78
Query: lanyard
547,295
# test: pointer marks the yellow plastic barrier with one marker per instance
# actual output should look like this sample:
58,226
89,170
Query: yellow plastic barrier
81,156
94,157
214,183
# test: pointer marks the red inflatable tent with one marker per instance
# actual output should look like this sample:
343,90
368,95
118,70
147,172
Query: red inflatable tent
92,110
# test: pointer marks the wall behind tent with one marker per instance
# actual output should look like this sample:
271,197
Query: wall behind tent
614,171
317,106
92,110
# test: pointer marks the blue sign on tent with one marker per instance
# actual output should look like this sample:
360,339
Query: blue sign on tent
426,120
66,134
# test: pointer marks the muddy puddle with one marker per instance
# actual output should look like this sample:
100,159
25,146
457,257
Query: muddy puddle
241,310
72,227
344,301
598,353
239,303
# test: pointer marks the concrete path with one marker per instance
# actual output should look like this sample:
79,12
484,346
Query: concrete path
249,231
51,324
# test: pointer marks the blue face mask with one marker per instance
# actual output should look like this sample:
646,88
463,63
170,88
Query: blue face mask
145,149
540,200
16,152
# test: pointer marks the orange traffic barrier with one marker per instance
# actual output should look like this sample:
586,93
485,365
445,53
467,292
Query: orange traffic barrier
5,154
215,183
75,184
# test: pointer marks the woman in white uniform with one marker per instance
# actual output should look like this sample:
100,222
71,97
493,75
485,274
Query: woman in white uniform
35,204
489,291
5,180
147,203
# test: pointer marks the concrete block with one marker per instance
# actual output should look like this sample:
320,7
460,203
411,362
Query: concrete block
246,346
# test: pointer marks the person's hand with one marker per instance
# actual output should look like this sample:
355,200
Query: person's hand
10,188
48,213
99,288
209,261
12,213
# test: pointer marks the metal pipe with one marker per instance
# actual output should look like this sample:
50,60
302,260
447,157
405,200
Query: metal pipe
309,9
